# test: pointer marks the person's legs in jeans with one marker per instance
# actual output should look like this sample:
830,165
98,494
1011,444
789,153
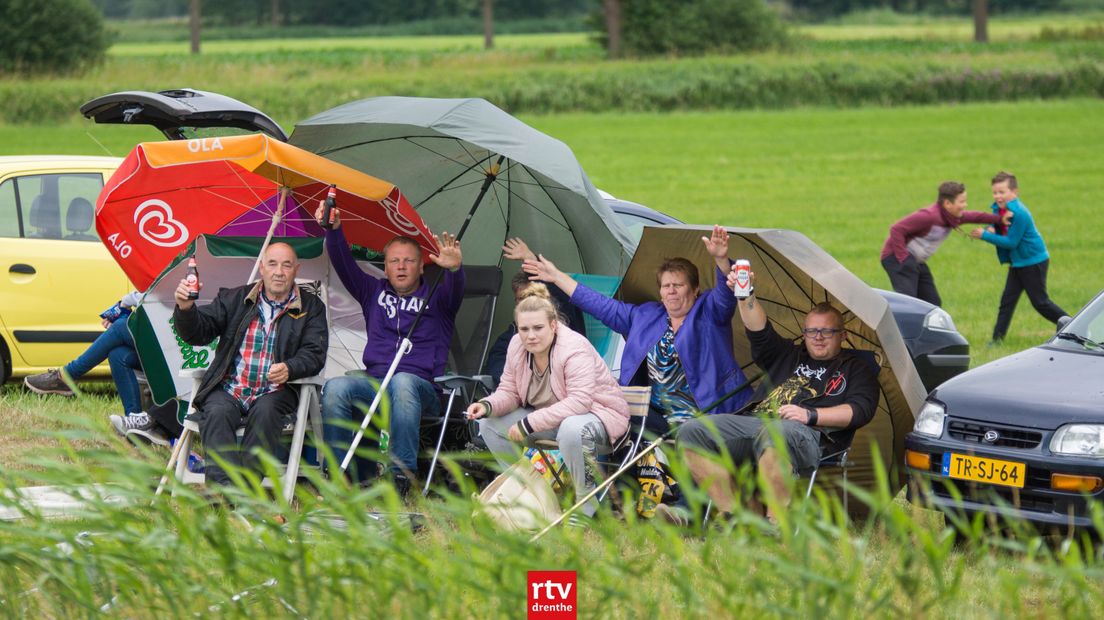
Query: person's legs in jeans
1033,279
411,396
117,335
925,286
264,424
219,416
1009,298
345,400
124,361
581,438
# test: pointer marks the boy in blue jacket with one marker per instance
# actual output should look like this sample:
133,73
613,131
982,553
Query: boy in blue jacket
1022,247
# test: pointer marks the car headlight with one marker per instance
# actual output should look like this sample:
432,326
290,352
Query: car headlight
930,420
939,320
1079,440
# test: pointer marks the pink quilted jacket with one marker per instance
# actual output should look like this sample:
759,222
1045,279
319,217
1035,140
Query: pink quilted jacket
580,380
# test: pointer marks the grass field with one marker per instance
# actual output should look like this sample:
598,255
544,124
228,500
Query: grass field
839,176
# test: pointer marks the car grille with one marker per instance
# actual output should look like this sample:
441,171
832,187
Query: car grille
1029,497
973,432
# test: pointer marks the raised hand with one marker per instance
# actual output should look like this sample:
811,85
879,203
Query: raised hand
516,249
541,269
450,256
335,215
181,295
717,243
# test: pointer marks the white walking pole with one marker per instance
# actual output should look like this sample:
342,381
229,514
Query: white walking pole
404,348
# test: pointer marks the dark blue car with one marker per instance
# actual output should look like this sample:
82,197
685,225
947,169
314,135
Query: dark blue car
1022,436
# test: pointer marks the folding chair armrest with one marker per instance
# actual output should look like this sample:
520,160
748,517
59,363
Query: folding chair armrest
452,382
193,373
315,380
837,458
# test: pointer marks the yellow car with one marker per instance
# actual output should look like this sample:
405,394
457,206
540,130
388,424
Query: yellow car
57,275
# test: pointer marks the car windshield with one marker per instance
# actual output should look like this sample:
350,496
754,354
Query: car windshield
1086,331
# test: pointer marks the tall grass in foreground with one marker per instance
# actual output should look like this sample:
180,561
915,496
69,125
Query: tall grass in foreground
178,557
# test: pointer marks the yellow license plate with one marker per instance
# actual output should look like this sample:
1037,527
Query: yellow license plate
984,469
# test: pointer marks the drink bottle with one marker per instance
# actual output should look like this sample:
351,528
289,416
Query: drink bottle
330,205
192,279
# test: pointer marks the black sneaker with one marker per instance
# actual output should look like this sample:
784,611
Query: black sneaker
131,421
402,486
152,436
52,381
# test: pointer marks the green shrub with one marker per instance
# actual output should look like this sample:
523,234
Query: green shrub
50,36
653,27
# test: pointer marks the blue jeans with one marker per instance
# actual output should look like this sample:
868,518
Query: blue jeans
116,345
345,400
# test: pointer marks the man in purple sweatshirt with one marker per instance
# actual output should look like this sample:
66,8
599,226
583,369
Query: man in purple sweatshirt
390,306
916,237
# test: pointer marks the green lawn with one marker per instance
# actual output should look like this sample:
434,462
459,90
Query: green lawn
839,176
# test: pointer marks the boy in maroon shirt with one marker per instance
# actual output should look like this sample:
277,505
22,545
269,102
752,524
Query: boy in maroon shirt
915,238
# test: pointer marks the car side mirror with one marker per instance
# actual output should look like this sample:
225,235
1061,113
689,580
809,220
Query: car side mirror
1062,322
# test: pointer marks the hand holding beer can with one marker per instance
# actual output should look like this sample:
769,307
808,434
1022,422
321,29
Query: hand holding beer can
742,288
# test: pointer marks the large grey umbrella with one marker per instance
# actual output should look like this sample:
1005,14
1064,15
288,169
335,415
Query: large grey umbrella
468,167
441,152
791,275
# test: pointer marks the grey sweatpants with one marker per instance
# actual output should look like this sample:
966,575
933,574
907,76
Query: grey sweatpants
581,438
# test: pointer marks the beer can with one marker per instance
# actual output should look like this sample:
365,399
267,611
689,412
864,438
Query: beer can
742,289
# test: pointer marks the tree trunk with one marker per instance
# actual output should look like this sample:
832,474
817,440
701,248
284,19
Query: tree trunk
612,9
981,21
193,24
488,24
275,13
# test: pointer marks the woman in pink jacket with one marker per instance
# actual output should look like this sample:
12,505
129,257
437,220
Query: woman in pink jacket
554,386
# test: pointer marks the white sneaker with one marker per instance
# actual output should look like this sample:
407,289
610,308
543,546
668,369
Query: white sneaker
131,421
153,436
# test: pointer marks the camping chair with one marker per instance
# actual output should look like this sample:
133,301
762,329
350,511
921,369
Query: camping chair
467,351
309,409
638,398
835,459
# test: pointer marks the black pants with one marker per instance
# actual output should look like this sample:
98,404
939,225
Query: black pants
912,278
219,417
1033,280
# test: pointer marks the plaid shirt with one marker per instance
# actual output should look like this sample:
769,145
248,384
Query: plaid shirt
249,379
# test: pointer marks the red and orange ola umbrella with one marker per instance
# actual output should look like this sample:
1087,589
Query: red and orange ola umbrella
165,194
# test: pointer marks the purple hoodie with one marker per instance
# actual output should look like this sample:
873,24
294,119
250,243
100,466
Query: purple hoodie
388,316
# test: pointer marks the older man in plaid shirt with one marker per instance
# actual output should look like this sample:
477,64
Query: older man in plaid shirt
270,332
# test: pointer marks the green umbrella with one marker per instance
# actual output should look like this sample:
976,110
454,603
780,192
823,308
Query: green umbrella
441,152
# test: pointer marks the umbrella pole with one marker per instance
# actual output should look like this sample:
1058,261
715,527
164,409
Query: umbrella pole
406,345
276,217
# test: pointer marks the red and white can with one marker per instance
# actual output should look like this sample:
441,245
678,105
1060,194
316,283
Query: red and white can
742,289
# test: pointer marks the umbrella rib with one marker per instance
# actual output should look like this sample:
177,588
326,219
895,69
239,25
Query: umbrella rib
409,139
450,182
539,210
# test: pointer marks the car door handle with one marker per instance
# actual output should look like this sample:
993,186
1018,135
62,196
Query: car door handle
22,268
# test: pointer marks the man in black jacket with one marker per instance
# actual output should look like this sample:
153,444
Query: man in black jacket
822,392
270,333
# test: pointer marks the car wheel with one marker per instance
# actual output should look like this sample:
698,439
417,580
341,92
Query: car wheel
5,363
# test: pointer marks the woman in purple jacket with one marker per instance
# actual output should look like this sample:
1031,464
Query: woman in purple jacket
680,345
